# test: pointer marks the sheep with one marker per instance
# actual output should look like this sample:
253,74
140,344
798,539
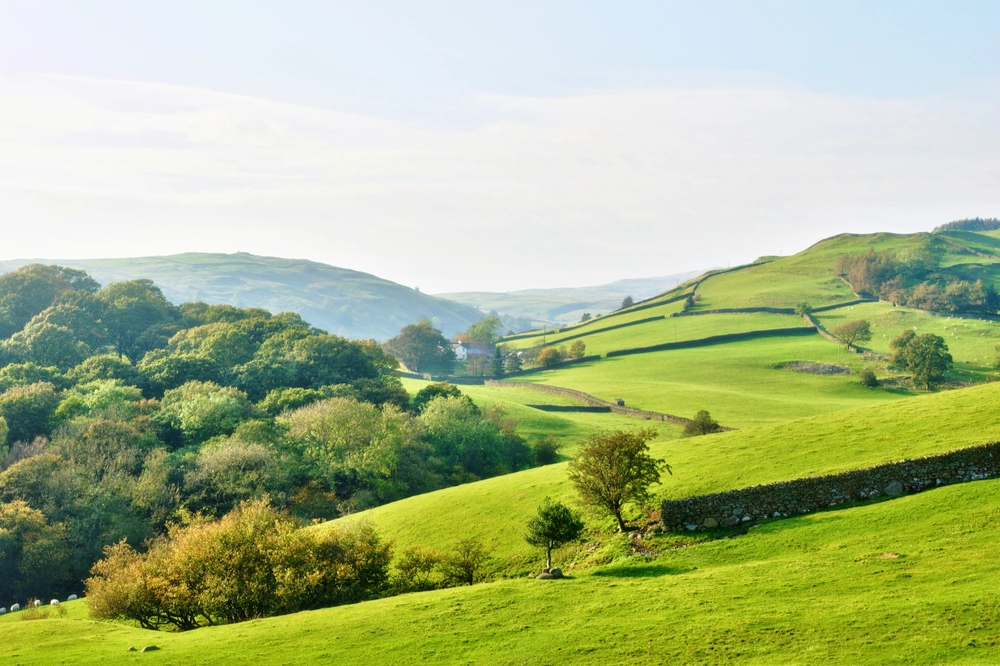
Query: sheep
15,607
3,611
54,602
38,603
71,597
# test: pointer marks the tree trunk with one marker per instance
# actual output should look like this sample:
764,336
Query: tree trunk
548,557
621,523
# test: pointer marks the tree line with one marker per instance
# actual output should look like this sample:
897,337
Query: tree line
122,414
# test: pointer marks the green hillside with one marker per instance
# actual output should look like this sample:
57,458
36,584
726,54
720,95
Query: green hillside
338,300
566,305
851,585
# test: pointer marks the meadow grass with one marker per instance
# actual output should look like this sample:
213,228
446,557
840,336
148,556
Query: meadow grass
736,382
569,428
495,510
904,581
679,329
971,339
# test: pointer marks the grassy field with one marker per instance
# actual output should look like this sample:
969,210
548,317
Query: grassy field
674,329
736,382
496,510
897,582
568,427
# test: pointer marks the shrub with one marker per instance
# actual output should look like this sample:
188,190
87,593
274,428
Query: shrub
545,449
869,379
416,568
549,356
253,563
701,424
577,349
464,565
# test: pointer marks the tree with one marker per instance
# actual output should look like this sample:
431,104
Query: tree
585,317
496,363
424,396
130,309
33,553
463,566
868,378
554,525
615,469
486,331
803,308
577,349
853,332
926,356
549,356
422,347
627,302
701,424
513,362
28,410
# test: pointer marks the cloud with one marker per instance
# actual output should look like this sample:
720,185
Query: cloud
515,192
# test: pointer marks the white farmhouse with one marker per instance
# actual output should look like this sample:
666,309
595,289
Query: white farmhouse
461,351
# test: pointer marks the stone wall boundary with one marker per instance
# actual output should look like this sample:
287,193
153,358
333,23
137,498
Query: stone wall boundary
806,495
716,339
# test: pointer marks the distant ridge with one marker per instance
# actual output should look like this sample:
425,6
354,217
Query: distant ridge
339,300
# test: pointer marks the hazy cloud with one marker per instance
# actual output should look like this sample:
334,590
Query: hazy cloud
514,192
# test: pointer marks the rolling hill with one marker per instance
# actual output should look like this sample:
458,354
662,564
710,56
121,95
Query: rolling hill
341,301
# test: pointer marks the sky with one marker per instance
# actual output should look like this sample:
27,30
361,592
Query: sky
460,146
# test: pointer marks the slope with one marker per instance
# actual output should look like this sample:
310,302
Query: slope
901,581
339,300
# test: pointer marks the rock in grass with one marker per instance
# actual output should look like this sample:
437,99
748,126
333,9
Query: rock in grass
545,575
150,648
132,649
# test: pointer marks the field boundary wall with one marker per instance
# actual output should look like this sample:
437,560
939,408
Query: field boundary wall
799,496
716,339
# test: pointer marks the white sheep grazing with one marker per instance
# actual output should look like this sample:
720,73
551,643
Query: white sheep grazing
54,602
71,597
3,611
15,607
38,602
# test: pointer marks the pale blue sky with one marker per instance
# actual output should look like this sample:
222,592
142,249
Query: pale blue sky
409,139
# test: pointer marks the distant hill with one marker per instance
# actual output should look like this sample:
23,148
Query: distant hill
565,305
341,301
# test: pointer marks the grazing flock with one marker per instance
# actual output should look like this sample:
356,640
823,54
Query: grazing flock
35,602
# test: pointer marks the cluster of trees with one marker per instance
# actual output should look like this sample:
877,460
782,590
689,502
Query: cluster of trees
253,563
121,414
906,279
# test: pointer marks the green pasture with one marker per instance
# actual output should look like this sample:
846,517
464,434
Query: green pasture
612,319
736,382
904,581
495,510
971,339
570,428
679,329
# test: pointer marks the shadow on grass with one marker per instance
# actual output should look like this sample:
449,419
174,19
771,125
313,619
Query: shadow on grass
647,571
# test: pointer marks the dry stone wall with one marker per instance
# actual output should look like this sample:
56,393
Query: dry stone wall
790,498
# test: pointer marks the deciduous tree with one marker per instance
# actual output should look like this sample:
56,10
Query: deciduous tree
554,525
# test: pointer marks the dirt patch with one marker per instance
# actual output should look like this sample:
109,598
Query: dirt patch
813,368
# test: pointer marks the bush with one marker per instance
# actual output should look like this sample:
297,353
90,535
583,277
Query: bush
549,356
416,568
578,349
253,563
464,565
701,424
545,449
869,379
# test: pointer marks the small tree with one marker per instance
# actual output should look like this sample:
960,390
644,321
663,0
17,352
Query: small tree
546,449
549,356
463,566
585,317
803,308
868,378
852,332
513,362
554,525
496,362
615,469
627,302
577,349
701,424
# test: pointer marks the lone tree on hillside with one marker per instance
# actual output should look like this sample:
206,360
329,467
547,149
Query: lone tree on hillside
627,302
554,525
852,332
926,356
422,347
701,424
615,469
803,308
463,566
